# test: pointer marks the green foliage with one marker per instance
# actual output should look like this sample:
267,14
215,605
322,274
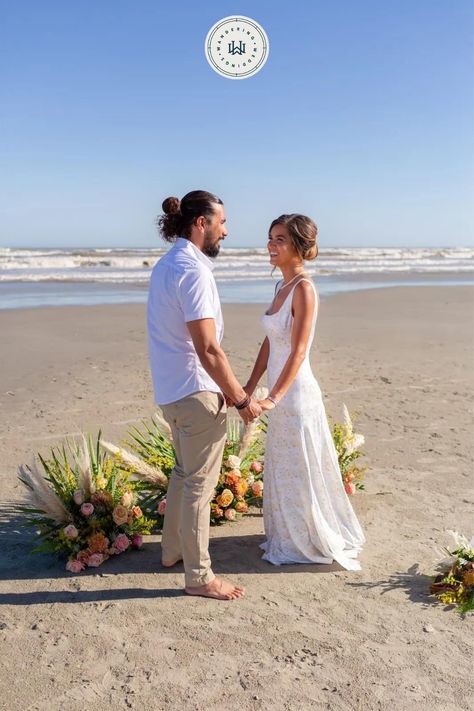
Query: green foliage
153,446
78,475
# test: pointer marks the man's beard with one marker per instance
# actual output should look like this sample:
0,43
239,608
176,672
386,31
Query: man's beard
211,248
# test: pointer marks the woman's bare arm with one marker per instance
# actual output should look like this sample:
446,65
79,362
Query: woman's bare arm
304,303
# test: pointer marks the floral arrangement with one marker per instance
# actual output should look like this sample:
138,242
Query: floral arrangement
455,585
89,501
348,445
83,504
240,483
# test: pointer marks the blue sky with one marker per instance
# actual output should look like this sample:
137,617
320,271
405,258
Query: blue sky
361,118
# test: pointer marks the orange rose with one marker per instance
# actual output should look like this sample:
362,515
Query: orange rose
225,498
137,512
241,507
217,512
232,477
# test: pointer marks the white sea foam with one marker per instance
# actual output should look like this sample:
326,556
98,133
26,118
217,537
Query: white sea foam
130,266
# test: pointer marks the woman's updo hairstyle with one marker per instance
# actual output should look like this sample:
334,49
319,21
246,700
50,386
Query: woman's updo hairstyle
179,215
302,231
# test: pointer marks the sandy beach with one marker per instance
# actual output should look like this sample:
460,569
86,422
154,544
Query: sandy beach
304,637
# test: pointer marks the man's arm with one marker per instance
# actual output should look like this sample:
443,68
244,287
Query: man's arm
215,363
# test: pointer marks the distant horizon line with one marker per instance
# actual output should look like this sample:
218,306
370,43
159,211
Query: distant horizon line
247,246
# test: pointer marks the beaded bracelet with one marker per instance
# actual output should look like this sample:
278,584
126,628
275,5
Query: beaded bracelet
242,405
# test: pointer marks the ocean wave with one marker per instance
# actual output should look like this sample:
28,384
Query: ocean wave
234,264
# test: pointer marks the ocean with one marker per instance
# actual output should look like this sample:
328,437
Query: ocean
58,277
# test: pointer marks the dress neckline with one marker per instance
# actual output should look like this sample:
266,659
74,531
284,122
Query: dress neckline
286,297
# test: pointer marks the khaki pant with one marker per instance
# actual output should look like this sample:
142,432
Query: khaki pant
198,425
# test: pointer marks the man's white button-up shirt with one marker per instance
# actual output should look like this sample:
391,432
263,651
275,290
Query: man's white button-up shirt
182,289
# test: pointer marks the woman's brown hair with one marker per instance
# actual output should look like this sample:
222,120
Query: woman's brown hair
303,232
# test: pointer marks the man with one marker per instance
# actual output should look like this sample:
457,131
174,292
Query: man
192,380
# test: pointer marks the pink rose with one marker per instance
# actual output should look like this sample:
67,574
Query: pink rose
121,543
256,467
71,531
230,514
95,559
162,507
75,566
216,511
87,509
78,497
120,515
257,488
137,541
350,488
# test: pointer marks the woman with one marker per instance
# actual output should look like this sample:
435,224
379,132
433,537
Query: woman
307,514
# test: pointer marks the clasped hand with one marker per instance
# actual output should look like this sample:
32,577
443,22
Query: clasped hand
254,410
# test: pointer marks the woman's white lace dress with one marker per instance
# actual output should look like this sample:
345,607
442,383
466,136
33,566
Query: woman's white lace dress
307,514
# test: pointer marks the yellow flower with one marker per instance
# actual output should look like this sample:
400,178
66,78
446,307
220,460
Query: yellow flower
225,498
449,598
101,482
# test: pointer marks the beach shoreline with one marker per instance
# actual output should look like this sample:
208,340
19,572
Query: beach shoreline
304,636
60,293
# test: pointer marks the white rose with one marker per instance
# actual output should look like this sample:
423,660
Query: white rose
127,498
233,461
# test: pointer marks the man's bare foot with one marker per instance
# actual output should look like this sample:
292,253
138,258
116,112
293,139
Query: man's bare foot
218,589
170,563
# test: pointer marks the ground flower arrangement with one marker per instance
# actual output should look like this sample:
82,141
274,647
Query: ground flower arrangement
240,483
93,500
455,584
84,505
348,447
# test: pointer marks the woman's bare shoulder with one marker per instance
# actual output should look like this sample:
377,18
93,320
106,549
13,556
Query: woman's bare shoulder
304,297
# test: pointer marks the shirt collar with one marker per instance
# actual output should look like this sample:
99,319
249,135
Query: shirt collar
183,243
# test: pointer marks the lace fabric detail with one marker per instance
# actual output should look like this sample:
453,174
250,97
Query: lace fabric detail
307,514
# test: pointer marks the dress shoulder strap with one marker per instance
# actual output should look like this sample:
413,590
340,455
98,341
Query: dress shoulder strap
310,281
277,286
